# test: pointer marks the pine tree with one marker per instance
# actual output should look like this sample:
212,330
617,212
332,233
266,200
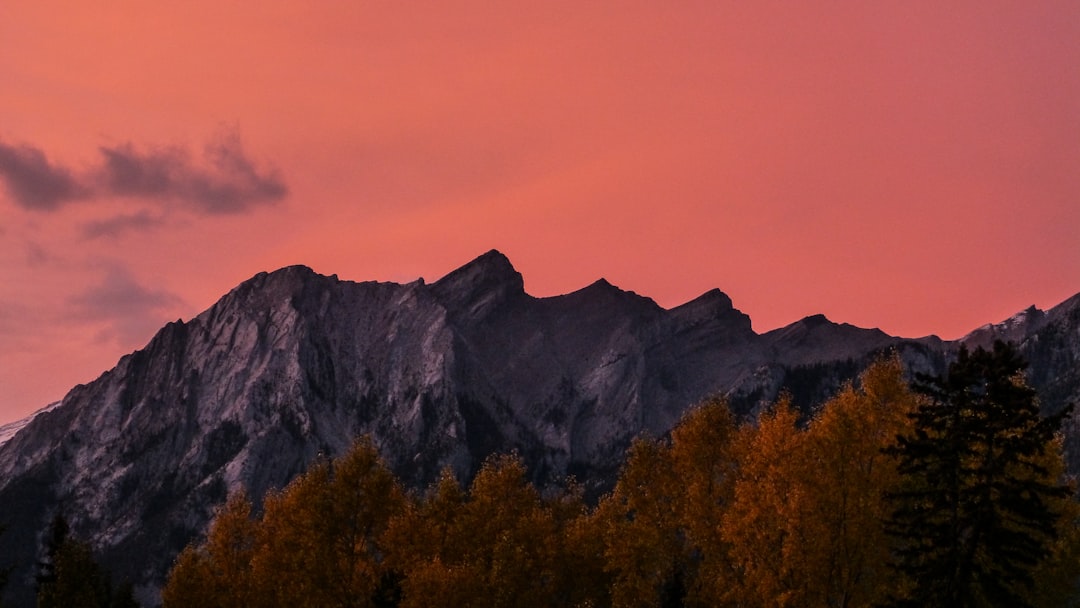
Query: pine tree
55,537
976,515
79,580
68,574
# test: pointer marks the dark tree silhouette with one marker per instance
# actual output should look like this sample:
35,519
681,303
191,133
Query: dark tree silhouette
975,516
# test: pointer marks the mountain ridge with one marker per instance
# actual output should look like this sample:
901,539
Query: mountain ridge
292,364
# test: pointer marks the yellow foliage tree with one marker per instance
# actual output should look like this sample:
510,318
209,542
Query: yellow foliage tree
217,573
806,526
704,467
1058,576
318,543
500,546
642,550
765,514
845,480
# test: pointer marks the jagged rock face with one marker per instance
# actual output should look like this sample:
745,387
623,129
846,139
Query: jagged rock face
291,365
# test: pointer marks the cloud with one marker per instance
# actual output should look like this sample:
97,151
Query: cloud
223,181
227,182
35,183
116,226
131,312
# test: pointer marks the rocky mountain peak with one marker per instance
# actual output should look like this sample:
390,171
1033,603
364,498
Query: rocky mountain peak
818,320
711,305
481,285
1016,328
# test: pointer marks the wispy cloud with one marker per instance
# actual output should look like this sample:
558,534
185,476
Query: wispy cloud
131,312
224,180
119,225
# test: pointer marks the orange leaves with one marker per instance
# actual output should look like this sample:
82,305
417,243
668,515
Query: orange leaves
775,512
315,544
217,573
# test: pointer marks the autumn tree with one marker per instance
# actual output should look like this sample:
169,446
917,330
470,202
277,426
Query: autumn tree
499,545
316,543
764,521
1057,578
661,525
704,466
318,539
642,549
217,573
844,478
978,513
804,526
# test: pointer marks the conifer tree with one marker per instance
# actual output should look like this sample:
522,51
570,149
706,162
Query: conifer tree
977,515
68,574
55,537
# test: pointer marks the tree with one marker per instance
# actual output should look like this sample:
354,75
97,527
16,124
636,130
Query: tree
704,466
68,574
317,543
843,477
318,539
79,581
218,572
55,537
497,546
977,513
764,522
642,550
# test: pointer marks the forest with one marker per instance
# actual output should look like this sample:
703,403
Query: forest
944,491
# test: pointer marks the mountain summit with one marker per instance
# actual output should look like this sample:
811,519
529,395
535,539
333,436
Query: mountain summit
291,366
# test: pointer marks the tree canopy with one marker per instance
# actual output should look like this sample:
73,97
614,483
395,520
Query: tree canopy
852,506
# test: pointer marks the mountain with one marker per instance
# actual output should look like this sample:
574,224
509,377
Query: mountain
292,365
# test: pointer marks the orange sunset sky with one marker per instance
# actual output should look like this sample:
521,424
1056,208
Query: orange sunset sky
908,165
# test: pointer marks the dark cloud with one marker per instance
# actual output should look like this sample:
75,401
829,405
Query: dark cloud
35,183
132,313
116,226
225,181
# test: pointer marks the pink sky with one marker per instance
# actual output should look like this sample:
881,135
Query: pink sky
913,166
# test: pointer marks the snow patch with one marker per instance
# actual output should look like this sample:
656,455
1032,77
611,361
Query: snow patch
9,430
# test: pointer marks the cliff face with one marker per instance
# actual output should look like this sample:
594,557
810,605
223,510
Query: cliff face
291,365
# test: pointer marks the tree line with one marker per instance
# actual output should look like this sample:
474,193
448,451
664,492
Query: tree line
948,492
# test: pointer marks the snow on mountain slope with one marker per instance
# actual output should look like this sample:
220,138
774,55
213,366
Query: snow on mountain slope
8,430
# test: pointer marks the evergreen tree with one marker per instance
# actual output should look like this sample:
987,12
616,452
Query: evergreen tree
55,537
79,580
68,574
976,515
